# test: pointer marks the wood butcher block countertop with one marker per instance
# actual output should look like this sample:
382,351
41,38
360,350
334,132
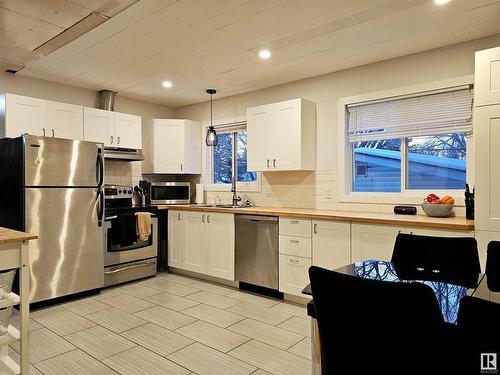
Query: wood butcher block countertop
10,235
451,223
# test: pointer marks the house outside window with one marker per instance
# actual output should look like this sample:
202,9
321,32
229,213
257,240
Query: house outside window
229,157
409,143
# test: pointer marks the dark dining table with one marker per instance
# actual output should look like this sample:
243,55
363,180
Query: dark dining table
449,288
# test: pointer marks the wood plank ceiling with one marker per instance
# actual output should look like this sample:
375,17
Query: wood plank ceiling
198,43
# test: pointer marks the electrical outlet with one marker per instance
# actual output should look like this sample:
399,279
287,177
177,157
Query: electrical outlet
328,194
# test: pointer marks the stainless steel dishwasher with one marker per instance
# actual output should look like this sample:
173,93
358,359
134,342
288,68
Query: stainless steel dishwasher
256,258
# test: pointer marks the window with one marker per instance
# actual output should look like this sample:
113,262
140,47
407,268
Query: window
410,143
229,157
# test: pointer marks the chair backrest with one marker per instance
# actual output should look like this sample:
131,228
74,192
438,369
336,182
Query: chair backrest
363,322
479,325
493,260
454,254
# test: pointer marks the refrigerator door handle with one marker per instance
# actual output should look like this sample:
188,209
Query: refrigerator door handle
100,170
100,209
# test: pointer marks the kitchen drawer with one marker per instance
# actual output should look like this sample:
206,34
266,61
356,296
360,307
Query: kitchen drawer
295,227
294,274
297,246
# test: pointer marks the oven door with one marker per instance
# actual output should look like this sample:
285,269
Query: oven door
115,254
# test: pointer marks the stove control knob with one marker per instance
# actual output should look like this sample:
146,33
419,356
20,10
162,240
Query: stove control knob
119,191
130,191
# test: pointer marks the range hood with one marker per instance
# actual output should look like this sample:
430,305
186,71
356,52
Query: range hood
124,154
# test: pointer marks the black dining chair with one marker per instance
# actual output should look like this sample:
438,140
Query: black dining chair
493,266
446,254
375,326
479,326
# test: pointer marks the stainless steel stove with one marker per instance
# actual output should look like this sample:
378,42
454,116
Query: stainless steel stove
126,257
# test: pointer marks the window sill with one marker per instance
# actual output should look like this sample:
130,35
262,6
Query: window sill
413,198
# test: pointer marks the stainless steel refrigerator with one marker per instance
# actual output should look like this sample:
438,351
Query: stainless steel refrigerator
53,188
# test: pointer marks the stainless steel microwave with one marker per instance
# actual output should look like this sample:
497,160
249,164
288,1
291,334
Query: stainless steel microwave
170,193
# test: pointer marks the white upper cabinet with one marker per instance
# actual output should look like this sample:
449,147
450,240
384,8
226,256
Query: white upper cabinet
282,136
64,120
175,147
114,129
487,171
128,130
24,115
99,126
487,77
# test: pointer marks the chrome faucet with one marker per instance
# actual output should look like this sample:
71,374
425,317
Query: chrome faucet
236,197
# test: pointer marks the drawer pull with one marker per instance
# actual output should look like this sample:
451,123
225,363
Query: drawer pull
294,241
294,221
294,260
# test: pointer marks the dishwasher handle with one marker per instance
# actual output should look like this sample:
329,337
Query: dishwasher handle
255,218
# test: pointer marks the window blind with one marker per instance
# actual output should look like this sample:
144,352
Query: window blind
430,113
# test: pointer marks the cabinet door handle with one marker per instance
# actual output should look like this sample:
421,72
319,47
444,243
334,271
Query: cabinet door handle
315,228
43,131
118,140
208,219
294,241
202,218
52,133
294,260
267,163
111,139
178,215
181,167
274,163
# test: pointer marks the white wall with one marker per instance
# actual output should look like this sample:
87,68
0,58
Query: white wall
325,91
116,172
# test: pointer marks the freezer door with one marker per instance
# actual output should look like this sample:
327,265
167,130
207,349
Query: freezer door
68,255
62,162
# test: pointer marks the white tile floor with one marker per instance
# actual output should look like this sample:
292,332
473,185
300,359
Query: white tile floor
170,324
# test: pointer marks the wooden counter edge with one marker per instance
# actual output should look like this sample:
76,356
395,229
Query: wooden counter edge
371,217
10,235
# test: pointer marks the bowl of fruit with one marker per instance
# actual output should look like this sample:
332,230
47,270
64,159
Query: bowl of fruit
438,207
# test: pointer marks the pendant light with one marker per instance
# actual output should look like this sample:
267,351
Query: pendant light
211,139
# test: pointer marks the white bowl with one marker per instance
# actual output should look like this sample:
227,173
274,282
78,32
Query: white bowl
437,210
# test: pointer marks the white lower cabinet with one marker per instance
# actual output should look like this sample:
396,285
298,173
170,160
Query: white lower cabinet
294,274
373,241
331,243
194,242
175,238
220,245
202,242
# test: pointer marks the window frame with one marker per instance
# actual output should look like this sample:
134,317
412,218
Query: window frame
406,196
224,126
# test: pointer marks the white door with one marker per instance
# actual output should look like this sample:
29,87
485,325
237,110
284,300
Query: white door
220,245
331,247
175,239
25,115
373,241
128,131
194,247
65,120
168,138
294,274
285,127
99,126
259,139
487,77
487,167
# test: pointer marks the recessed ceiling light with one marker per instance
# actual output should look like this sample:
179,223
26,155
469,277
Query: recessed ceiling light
264,54
166,84
441,2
